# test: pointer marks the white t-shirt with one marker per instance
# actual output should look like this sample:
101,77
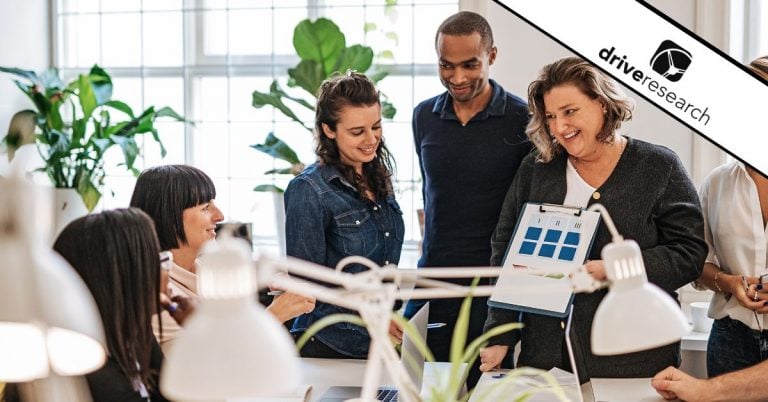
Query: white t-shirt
735,234
578,191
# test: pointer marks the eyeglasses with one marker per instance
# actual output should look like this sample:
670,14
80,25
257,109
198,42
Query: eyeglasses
166,260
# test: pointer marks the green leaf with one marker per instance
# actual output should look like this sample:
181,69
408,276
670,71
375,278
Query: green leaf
269,188
320,40
31,76
388,110
391,2
274,99
87,96
156,137
393,37
386,54
369,27
102,144
78,131
377,75
51,81
102,85
129,147
357,58
308,75
121,106
168,112
279,171
278,149
88,192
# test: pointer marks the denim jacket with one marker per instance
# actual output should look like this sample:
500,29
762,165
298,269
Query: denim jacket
326,220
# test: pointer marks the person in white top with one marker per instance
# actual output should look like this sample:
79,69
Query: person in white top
180,200
734,200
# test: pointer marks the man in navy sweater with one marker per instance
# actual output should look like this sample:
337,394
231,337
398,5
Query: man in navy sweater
469,141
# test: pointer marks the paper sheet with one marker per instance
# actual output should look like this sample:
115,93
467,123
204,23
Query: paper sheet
624,390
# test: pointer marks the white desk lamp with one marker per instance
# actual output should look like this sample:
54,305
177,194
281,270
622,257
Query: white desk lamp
369,294
48,319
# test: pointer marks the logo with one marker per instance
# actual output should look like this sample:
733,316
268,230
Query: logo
670,60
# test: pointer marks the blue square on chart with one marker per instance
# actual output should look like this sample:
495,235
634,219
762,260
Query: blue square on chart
567,253
572,239
527,248
553,235
533,233
547,250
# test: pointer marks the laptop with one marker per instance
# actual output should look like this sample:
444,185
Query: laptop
411,358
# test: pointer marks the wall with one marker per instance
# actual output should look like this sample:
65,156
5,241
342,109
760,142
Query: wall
25,29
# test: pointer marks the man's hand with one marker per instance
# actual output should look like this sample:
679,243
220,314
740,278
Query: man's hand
491,357
289,305
672,383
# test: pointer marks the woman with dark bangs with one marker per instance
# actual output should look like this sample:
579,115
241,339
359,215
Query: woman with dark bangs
181,201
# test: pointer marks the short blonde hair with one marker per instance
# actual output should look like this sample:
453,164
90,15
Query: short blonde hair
593,83
760,66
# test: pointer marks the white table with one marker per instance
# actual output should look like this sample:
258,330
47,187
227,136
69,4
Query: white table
322,374
624,389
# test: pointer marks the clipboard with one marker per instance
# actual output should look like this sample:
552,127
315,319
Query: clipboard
549,243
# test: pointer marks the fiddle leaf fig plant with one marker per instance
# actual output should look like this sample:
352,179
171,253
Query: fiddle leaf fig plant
323,51
77,122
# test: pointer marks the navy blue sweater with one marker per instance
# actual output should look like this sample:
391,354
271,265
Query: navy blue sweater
467,171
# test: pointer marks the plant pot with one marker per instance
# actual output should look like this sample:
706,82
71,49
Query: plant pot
67,206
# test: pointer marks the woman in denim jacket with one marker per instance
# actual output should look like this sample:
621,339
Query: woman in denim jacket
344,204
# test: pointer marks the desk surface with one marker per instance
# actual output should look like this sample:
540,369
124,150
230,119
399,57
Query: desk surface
600,389
322,374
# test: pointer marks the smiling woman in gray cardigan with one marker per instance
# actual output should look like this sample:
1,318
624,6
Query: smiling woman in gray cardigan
643,186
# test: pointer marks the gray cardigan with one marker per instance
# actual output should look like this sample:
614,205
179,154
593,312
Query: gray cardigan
652,201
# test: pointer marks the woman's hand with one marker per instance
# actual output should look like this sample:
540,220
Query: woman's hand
748,297
395,332
289,305
179,307
491,357
596,268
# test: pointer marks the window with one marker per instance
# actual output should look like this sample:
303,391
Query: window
204,58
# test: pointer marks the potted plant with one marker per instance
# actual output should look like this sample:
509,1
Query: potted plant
76,123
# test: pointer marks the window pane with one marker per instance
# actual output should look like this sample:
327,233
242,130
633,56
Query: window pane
164,91
121,34
351,21
394,28
128,90
247,162
163,41
158,5
241,94
214,32
172,135
81,35
399,92
122,187
79,6
211,148
120,5
212,98
429,18
250,32
288,19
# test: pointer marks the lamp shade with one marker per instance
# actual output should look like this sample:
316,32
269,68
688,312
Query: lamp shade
48,318
231,347
635,314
